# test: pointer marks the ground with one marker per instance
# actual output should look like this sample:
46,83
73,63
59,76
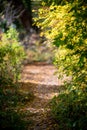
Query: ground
40,79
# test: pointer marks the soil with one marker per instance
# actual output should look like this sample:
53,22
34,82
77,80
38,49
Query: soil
40,79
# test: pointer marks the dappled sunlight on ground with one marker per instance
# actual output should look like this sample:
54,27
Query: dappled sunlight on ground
40,74
40,79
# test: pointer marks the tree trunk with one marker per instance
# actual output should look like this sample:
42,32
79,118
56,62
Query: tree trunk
26,17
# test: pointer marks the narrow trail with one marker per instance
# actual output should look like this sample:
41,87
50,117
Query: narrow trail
42,81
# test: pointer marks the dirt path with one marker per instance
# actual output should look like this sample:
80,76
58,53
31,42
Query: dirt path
40,79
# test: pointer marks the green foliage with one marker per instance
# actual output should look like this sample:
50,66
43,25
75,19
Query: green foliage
27,4
65,26
57,2
11,57
12,120
69,109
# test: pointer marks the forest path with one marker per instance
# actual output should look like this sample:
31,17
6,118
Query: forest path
40,79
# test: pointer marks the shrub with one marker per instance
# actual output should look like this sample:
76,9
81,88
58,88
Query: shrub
65,25
69,109
11,57
12,120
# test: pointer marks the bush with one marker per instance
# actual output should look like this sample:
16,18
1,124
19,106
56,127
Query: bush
12,120
11,57
69,109
65,25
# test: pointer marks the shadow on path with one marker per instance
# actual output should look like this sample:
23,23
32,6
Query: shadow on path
40,80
